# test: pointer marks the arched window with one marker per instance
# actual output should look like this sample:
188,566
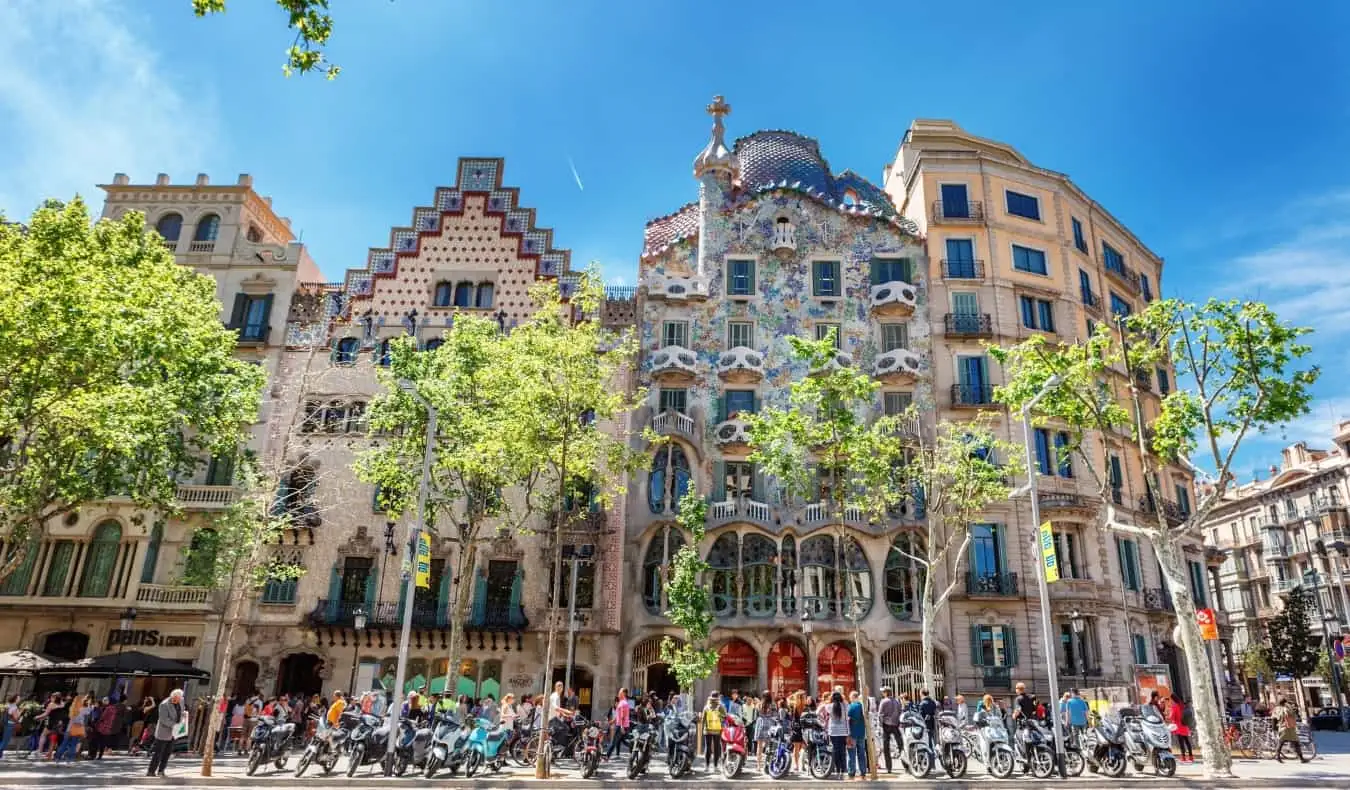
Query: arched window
152,554
463,294
334,417
671,464
201,558
345,350
660,552
723,560
857,588
96,580
788,559
484,296
254,235
443,294
356,417
904,577
759,563
208,227
170,226
818,575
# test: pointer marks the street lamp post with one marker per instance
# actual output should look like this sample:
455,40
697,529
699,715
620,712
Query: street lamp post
575,555
807,628
410,578
1079,625
358,625
126,620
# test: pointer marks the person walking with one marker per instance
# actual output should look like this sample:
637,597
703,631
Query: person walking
171,714
711,724
105,728
1180,727
12,716
765,717
857,737
1283,717
75,729
888,713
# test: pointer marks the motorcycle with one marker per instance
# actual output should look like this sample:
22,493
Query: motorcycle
271,742
1103,747
412,747
640,756
987,741
951,748
679,752
778,751
447,746
485,747
564,737
367,742
1032,751
588,750
916,756
1147,739
327,744
816,744
733,746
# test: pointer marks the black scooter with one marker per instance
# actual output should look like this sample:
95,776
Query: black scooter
271,742
367,743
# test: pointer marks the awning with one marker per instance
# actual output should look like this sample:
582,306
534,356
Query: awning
24,663
129,663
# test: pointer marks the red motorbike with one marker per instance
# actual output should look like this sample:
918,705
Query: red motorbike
733,746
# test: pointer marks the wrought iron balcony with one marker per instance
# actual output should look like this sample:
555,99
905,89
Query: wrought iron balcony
968,325
997,677
1052,500
1174,514
1157,599
1125,276
426,616
972,395
961,269
1091,301
998,585
970,211
1143,380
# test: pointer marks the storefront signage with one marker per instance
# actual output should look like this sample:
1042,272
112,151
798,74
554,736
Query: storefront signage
1048,557
148,638
520,681
736,659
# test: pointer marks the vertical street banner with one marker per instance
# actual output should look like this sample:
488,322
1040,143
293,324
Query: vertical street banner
1048,557
1209,626
423,560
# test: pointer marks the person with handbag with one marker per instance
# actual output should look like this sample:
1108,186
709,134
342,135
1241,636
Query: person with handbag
1283,717
75,729
171,716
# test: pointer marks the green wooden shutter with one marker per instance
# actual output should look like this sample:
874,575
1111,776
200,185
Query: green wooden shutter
267,311
876,271
757,485
372,591
334,593
517,615
238,311
402,599
443,595
1001,540
976,654
1010,644
480,597
717,413
719,482
333,352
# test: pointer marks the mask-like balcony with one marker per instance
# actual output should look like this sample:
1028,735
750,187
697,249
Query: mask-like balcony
784,236
674,364
732,432
839,360
740,365
897,298
674,423
675,288
897,366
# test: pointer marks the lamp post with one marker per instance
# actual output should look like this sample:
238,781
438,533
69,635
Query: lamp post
409,578
575,555
1079,624
1310,579
126,620
1047,634
358,625
807,628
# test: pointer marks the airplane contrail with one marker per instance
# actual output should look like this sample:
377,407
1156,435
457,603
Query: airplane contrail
573,165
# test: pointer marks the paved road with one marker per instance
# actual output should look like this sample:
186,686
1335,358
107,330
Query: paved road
1330,769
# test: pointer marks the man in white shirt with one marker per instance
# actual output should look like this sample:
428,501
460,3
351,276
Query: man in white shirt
1247,710
555,703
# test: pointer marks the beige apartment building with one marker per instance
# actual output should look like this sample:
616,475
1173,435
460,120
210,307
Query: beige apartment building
104,578
1287,530
1015,249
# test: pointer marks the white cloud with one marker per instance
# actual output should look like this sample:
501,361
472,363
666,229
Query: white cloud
82,96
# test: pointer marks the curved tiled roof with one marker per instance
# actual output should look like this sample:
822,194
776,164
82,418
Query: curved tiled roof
771,157
665,231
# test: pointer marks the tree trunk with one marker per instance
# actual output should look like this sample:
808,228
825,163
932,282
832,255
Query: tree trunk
468,556
226,653
541,765
1204,701
929,626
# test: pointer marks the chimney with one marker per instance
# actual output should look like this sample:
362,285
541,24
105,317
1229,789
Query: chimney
245,180
162,179
121,179
202,180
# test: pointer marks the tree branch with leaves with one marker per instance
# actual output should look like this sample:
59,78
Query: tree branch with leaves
688,599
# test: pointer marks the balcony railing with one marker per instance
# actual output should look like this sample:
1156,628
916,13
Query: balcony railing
1174,514
250,333
1143,380
1091,301
1281,586
962,269
968,325
173,595
991,584
670,422
740,509
1124,275
495,616
202,246
207,497
1056,501
970,211
972,395
819,513
997,677
1157,599
1274,547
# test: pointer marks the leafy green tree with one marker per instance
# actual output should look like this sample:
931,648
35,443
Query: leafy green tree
568,409
475,459
825,437
1256,661
1293,638
312,25
1244,366
117,377
687,593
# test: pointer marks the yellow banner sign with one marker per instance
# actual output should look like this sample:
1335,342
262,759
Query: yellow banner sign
423,560
1048,557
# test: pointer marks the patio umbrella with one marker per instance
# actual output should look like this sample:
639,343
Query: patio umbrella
128,662
24,663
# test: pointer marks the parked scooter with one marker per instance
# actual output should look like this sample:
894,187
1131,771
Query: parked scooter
640,756
679,750
447,746
271,742
916,755
1033,750
987,741
367,743
588,751
1103,747
1147,740
327,744
733,746
778,751
819,754
485,747
412,748
951,748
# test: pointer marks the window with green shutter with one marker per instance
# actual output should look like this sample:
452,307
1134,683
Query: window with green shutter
825,278
62,553
96,578
894,336
993,646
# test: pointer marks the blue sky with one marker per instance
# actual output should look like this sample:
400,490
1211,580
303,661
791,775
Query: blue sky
1217,131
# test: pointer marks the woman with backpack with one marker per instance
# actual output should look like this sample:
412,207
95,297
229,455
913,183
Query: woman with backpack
1283,718
1181,719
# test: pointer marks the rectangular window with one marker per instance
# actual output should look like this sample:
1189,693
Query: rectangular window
986,550
498,609
1063,458
973,380
1085,288
1117,477
1145,287
954,201
1091,328
674,400
1127,552
994,646
1079,240
1198,583
961,259
825,278
740,277
740,480
1140,648
1066,552
249,317
1020,205
1164,382
1077,650
1025,259
1027,307
675,333
894,336
891,270
965,303
736,401
1044,463
1112,259
279,591
894,403
740,333
1120,307
824,331
1037,313
1045,310
220,472
1183,498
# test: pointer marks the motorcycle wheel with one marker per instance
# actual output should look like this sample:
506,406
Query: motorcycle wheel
303,765
1113,763
955,764
678,765
280,764
822,764
400,764
1000,763
472,764
589,763
732,765
433,765
255,760
634,766
778,766
354,760
1042,762
921,763
1074,763
1164,763
330,763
